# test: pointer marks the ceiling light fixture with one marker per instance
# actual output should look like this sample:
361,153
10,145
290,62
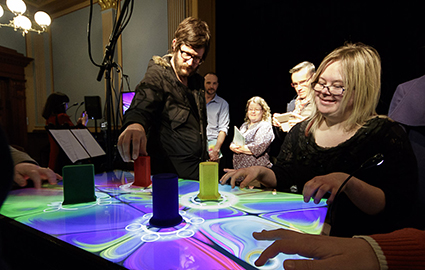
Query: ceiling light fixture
22,22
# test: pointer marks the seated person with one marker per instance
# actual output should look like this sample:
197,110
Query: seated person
258,133
319,154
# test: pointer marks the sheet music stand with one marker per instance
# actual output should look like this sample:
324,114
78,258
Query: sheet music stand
78,144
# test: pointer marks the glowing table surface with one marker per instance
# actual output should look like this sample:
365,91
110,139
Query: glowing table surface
213,234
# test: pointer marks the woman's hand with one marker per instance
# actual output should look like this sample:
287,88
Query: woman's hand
317,187
83,119
240,149
260,173
234,147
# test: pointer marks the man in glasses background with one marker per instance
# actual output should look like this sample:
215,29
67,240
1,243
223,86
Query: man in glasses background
301,106
167,117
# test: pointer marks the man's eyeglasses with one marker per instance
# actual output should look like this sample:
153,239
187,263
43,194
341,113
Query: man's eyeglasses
187,56
301,83
335,90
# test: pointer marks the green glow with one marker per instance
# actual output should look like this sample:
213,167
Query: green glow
208,181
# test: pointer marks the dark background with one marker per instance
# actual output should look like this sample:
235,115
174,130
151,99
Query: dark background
259,41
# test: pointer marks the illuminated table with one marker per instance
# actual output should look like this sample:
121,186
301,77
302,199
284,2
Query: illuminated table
114,229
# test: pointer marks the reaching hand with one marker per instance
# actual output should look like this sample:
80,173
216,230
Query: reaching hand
317,187
134,135
260,173
25,171
328,252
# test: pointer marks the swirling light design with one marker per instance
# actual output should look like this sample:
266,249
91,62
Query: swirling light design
213,235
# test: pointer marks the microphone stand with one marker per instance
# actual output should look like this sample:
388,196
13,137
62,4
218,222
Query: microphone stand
75,104
107,65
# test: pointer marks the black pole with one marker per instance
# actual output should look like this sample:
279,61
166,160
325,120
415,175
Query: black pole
105,68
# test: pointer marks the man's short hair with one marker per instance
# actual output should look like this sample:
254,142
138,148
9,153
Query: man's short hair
309,66
194,33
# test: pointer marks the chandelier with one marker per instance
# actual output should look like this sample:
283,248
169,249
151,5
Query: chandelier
22,22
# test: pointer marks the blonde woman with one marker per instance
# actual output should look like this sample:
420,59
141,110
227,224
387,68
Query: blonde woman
344,131
258,133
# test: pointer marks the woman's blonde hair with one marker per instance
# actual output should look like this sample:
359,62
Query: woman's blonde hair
361,72
267,116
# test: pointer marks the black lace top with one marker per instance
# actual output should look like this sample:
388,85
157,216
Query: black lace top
300,159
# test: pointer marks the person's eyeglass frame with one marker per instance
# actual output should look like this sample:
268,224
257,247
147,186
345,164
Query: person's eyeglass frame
187,56
338,92
255,110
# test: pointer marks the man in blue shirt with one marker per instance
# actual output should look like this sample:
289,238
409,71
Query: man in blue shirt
218,117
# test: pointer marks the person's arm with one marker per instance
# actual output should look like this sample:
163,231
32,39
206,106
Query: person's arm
27,168
145,109
215,153
20,157
223,126
305,113
401,249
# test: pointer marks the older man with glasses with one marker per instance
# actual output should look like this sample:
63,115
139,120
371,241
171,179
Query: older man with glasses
301,106
167,117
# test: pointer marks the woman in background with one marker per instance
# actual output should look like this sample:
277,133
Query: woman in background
55,114
258,133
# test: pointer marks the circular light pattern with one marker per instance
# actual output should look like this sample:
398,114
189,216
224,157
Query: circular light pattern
151,234
101,199
191,200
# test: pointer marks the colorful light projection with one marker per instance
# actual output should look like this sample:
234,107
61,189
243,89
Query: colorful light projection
213,234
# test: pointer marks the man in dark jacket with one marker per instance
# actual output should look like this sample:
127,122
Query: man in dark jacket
167,117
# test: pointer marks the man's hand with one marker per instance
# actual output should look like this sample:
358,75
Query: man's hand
275,122
214,155
134,135
25,171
